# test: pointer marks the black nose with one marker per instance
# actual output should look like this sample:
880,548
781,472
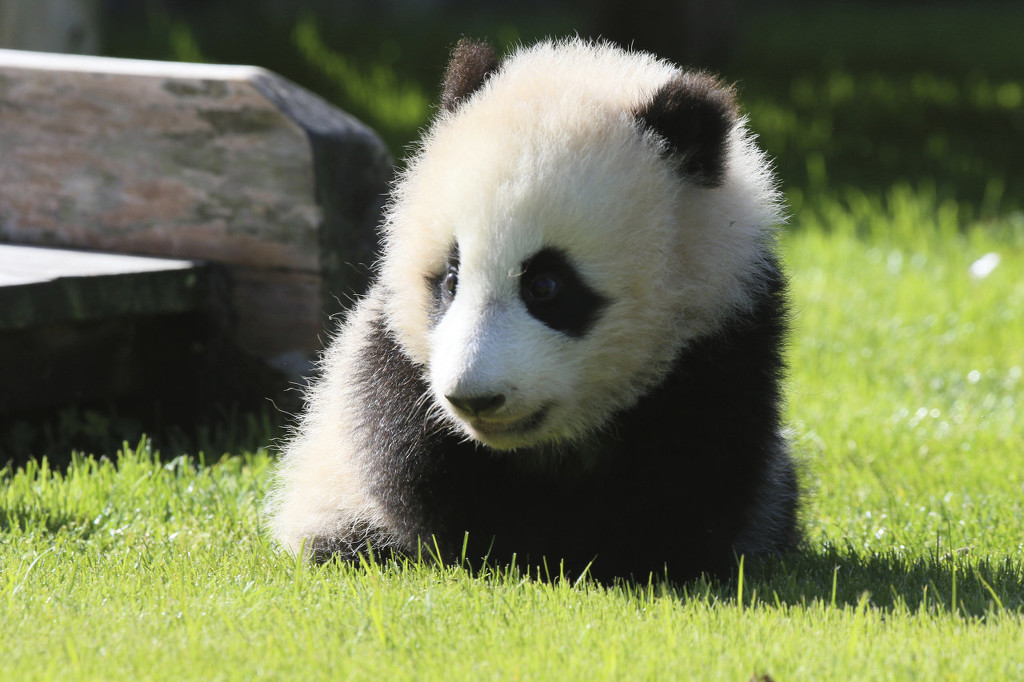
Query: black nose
477,405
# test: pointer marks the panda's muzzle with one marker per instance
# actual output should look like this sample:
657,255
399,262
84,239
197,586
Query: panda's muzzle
477,406
506,433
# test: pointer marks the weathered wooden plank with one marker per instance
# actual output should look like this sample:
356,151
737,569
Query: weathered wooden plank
82,326
229,164
31,264
40,286
175,160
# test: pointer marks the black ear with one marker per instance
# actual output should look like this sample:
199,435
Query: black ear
694,112
471,63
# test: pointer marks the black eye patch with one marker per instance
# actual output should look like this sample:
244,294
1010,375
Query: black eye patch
555,293
443,286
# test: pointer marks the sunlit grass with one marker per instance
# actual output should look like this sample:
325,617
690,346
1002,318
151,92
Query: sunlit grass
904,390
907,377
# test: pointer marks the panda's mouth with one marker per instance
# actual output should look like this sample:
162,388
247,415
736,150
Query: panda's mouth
505,428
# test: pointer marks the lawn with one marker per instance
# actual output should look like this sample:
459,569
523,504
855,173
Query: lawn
905,390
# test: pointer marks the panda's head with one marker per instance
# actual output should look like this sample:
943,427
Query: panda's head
576,215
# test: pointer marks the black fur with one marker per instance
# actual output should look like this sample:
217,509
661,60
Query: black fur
572,307
471,63
694,112
675,480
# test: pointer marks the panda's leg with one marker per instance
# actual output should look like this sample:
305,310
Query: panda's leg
320,504
772,520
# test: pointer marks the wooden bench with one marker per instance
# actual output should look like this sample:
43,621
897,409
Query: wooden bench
80,326
228,166
40,286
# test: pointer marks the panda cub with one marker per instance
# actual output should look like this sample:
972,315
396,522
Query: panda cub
572,349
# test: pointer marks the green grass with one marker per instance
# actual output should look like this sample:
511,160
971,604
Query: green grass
905,391
893,129
872,95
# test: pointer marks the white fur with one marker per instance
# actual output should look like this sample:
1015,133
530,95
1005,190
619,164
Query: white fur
547,153
319,491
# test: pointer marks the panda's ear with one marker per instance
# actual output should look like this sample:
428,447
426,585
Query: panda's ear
694,113
471,63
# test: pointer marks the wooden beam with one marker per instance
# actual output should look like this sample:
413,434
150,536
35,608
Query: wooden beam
40,286
229,164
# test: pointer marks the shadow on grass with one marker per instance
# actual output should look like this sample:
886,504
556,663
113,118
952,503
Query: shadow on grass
955,581
102,428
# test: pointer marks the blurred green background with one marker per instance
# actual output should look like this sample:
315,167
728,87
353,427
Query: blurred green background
847,97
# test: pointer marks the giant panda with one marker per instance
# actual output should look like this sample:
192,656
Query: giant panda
572,349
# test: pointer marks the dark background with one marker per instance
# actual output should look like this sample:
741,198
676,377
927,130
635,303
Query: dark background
860,95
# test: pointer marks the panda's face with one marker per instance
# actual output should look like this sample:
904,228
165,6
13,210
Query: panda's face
544,260
509,346
545,293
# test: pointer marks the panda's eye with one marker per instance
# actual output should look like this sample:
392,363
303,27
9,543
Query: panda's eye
543,288
556,294
442,284
451,281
